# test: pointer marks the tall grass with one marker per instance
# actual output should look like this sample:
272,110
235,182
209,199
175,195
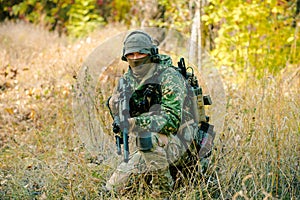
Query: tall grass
262,141
42,157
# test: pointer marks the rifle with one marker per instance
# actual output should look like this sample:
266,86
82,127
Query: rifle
121,124
192,80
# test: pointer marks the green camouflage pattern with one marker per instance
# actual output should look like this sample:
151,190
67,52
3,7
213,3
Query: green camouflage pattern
164,119
141,164
168,117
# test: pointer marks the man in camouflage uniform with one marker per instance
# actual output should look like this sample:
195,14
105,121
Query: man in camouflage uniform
158,110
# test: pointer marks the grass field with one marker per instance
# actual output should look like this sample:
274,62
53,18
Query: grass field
257,154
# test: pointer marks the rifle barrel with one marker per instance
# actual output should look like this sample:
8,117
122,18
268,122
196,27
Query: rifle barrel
126,146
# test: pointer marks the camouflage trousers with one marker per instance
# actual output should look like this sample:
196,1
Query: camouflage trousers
153,163
167,151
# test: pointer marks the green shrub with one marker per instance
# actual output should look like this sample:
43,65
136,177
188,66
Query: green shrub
255,36
83,18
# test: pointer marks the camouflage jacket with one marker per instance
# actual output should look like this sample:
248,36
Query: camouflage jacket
160,104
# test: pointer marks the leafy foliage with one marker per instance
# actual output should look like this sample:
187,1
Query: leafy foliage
121,10
248,36
83,18
76,18
177,14
253,36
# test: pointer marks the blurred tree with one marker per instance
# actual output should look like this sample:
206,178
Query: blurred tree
176,14
6,8
51,14
297,12
83,18
253,36
143,11
246,35
74,17
120,11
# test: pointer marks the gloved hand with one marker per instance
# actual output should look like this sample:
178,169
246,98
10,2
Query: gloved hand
113,103
116,125
131,122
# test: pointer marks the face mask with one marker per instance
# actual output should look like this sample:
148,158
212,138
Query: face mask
137,62
143,72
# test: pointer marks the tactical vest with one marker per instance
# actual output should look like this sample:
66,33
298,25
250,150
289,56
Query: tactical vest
145,98
148,98
150,94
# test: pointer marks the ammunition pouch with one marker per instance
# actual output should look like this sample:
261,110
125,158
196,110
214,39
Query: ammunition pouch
204,139
144,141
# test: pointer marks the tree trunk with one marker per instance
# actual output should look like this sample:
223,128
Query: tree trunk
195,50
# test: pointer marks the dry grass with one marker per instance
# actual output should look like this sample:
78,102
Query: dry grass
42,157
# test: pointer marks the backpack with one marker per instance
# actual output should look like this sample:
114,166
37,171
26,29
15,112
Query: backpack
203,140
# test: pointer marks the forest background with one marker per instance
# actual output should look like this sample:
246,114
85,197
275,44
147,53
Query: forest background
254,45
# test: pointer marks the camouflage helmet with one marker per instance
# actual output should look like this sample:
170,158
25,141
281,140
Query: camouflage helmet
137,41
